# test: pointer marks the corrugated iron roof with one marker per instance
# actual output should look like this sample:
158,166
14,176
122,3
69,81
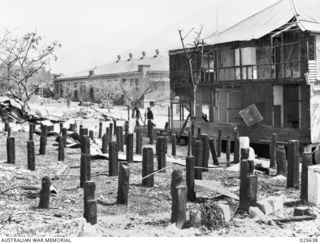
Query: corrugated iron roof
157,63
306,13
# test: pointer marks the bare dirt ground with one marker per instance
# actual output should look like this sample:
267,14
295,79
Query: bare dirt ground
148,211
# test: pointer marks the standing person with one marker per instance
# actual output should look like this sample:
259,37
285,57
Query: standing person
150,115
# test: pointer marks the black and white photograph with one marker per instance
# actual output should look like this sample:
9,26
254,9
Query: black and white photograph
149,118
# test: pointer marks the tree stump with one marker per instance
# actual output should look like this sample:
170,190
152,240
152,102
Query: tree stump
147,167
123,183
31,156
45,192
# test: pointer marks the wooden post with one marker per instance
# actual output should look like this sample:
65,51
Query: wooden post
89,213
176,179
44,131
115,127
100,130
91,134
179,200
199,133
113,159
190,178
80,130
42,150
105,143
45,192
31,131
6,126
126,129
213,152
273,151
129,147
293,164
11,154
123,183
281,160
228,149
244,153
236,151
219,143
193,140
31,156
85,169
138,140
111,129
189,143
173,144
85,144
198,159
64,136
150,131
61,127
120,132
147,167
192,130
161,153
205,151
60,148
306,162
248,192
9,131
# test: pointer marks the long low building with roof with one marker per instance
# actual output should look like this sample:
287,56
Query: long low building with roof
123,81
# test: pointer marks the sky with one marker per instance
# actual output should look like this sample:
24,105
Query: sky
94,32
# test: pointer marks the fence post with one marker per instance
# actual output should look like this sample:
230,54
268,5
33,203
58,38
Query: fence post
123,183
293,164
45,192
147,167
31,156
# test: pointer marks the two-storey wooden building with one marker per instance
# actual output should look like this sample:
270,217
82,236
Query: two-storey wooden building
272,60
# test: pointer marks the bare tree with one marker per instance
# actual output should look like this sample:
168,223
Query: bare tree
191,53
21,59
110,93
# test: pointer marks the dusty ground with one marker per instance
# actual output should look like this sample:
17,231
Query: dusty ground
149,209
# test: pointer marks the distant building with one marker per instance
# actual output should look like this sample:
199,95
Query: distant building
106,82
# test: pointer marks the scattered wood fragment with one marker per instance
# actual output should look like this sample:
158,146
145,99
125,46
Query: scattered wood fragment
296,218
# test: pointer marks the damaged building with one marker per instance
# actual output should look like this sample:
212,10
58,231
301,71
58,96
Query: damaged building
271,61
103,83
